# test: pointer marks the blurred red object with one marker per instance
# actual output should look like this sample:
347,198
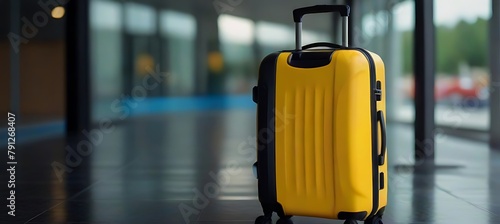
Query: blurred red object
453,88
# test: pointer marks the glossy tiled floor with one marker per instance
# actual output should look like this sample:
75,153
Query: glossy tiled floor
163,169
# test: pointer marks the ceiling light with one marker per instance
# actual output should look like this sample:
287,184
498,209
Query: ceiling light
57,12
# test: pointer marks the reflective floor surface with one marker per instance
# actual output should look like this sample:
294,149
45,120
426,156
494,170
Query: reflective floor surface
194,167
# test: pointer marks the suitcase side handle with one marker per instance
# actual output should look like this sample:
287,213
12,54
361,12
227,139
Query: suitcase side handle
381,120
344,11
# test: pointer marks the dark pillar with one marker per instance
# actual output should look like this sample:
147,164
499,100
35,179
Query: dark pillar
495,74
128,66
77,72
424,81
207,43
15,28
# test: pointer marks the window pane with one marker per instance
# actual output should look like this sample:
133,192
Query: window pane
462,75
178,32
106,56
237,38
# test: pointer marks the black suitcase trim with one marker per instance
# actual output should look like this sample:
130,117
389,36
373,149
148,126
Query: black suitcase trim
352,215
305,59
266,167
375,156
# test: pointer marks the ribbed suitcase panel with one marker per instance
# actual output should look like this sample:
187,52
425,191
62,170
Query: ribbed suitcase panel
304,164
304,150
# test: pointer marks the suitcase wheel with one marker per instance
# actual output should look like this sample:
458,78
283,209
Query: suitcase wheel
263,220
285,220
351,221
374,220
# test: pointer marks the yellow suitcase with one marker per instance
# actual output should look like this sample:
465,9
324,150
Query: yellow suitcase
321,131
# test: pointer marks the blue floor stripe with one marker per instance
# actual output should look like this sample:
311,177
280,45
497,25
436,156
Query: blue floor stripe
145,107
34,132
181,104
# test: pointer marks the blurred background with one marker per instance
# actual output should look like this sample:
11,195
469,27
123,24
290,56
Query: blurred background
215,49
124,108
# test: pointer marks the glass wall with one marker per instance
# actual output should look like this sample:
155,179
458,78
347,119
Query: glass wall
462,75
178,35
462,79
387,29
142,48
237,37
138,52
401,65
145,53
106,55
244,43
273,37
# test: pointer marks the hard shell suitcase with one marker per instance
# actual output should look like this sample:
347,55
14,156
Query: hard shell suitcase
321,130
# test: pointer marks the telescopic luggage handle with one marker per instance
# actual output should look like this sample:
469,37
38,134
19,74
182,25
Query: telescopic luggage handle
344,11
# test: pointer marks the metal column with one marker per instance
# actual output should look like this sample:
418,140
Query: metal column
77,72
494,55
424,68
